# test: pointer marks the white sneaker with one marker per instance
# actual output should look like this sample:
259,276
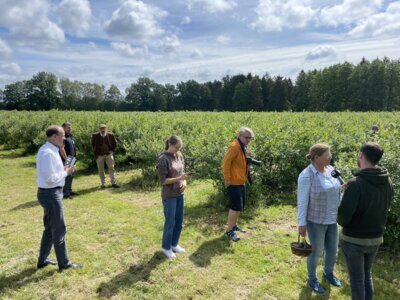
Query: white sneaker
169,253
178,249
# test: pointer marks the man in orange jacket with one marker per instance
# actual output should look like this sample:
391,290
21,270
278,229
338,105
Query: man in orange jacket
234,170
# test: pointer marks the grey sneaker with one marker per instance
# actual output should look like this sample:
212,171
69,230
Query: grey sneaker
232,236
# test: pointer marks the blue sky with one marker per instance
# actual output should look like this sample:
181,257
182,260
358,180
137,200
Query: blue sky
116,42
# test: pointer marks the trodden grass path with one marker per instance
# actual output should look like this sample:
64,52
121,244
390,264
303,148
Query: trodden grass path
116,234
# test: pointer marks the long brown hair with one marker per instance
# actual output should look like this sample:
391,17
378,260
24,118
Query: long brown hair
173,140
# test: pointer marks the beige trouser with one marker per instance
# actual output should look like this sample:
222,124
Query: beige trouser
109,160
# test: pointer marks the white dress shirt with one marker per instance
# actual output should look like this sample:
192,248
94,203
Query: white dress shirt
49,167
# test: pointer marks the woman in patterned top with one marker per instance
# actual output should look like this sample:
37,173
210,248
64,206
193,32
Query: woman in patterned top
318,199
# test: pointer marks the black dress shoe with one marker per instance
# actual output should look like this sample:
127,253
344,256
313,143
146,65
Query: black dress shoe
46,263
70,266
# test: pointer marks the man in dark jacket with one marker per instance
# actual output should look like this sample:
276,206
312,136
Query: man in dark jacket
104,145
68,149
362,214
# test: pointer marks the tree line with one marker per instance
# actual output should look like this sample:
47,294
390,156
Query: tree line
366,86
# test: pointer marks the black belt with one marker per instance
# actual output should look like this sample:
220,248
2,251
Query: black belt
57,187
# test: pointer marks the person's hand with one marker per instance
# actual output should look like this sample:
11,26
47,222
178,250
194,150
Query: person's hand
182,187
185,176
70,170
227,183
344,186
303,231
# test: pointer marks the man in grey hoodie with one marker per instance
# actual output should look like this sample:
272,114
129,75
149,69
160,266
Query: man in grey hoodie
362,214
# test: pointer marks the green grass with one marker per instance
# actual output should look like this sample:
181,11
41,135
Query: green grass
116,234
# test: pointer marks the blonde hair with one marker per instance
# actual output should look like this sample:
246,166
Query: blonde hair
317,150
243,130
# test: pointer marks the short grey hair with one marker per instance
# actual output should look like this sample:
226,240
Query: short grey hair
244,130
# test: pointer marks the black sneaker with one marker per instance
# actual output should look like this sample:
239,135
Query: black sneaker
232,236
237,228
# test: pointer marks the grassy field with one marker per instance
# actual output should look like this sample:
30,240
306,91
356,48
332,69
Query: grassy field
116,234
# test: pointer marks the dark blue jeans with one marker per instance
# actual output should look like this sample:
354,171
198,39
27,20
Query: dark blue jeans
54,226
359,261
173,212
68,185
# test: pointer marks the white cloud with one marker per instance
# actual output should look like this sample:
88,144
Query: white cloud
322,52
75,16
348,12
28,23
213,6
274,15
11,69
186,20
386,23
223,39
5,50
135,20
196,53
127,50
92,45
170,44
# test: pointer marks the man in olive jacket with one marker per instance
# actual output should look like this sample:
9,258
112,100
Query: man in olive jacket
362,214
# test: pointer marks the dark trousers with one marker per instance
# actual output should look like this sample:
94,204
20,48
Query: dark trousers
173,213
359,261
67,190
54,226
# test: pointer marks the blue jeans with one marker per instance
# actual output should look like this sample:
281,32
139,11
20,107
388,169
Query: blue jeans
173,212
68,185
359,261
54,226
322,237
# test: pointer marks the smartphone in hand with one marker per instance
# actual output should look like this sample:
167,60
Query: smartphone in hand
70,161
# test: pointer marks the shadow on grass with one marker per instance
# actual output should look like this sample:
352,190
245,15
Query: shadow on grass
25,205
82,192
29,164
15,282
136,184
11,153
203,255
211,216
136,273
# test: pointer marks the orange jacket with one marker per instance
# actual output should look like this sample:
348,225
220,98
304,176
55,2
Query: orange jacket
234,168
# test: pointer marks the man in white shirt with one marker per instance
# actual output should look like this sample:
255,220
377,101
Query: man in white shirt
50,179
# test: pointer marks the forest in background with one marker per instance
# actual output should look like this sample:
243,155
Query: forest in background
366,86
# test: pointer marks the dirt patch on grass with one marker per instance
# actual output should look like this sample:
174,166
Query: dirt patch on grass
145,200
275,225
244,291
